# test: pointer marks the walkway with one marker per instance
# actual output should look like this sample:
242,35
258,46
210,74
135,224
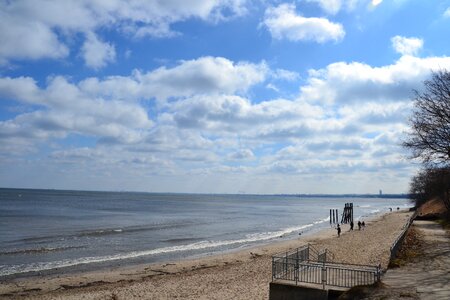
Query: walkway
428,277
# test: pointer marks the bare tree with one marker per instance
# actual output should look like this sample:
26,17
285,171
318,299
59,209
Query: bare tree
431,183
429,138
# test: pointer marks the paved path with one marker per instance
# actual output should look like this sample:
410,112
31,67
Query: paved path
428,277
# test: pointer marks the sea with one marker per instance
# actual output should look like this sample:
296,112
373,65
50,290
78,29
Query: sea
45,231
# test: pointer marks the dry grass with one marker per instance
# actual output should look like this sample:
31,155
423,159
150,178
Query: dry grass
411,248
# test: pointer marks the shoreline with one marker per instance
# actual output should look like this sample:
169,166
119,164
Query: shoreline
126,263
193,278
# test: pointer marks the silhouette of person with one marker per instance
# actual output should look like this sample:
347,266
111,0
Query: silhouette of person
339,230
363,224
359,225
351,225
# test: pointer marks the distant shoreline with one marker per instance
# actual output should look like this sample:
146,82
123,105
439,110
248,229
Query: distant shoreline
382,196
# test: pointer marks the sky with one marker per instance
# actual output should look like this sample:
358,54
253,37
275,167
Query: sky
214,96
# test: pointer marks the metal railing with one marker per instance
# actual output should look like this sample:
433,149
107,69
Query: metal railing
399,240
307,253
302,269
351,275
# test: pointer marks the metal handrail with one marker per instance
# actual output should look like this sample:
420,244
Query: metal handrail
326,274
307,252
309,265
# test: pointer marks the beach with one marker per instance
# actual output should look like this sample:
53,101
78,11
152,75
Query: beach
244,274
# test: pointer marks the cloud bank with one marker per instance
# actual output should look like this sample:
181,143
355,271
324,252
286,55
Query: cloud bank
203,122
31,30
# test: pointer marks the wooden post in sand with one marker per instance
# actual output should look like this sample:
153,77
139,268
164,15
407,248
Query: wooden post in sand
334,216
351,212
347,215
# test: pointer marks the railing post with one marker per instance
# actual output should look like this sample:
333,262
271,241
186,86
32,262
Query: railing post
273,268
286,266
379,273
296,268
324,275
307,253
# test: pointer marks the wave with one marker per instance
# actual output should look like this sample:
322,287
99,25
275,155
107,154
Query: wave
104,232
255,237
180,240
372,212
100,232
201,245
39,250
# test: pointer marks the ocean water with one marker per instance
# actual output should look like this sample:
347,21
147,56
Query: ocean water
47,230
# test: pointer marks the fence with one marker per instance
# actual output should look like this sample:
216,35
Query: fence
303,269
398,242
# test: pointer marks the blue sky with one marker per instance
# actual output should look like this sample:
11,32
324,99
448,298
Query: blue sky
214,96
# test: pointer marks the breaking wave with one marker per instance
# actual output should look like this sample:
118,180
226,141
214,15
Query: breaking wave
249,238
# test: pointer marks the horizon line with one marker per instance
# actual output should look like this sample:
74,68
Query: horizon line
387,195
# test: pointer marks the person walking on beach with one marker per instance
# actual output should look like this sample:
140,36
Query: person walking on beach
338,230
351,225
363,224
359,225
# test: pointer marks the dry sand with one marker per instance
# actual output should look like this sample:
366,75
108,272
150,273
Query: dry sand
240,275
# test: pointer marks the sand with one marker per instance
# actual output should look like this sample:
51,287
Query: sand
240,275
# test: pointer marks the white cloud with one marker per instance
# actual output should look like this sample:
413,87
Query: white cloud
330,6
273,87
406,46
69,110
284,23
242,154
28,39
96,53
447,13
359,83
287,75
205,75
376,114
41,29
109,108
334,6
376,2
22,89
233,114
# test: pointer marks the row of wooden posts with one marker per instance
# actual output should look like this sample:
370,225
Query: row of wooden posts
347,215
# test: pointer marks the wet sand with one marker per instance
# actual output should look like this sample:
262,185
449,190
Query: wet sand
240,275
